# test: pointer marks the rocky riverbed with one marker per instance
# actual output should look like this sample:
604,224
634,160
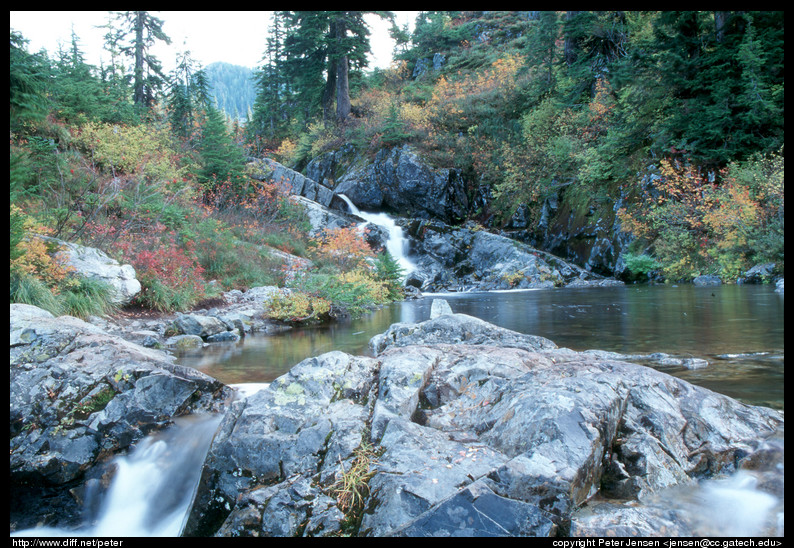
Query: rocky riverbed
454,427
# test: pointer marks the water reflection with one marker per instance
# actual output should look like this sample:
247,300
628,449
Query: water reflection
737,329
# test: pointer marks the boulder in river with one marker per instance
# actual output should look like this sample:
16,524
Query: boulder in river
459,427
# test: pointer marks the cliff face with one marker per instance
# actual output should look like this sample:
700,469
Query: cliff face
585,231
580,229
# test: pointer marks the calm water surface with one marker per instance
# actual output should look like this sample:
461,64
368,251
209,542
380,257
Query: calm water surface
737,329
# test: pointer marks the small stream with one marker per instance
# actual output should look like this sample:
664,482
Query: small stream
152,486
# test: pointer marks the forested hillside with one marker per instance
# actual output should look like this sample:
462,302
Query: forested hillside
667,124
232,88
665,127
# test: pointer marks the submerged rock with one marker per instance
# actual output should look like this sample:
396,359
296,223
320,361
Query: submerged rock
470,429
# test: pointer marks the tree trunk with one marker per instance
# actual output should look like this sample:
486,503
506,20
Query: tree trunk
138,95
720,19
342,85
342,90
571,45
329,92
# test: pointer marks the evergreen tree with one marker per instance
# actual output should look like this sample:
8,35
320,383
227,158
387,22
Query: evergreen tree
27,77
200,88
116,81
180,101
727,97
541,45
329,43
222,159
78,93
273,103
136,38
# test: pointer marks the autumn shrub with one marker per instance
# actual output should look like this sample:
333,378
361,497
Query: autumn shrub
39,276
710,223
35,274
354,291
345,248
131,149
318,138
296,306
170,274
33,255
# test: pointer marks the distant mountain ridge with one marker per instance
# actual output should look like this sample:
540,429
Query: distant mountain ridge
232,87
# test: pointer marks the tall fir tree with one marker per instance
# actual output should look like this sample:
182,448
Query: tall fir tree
181,101
322,47
137,35
222,160
27,79
273,104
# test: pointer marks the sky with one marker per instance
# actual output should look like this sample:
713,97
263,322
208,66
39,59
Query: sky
236,37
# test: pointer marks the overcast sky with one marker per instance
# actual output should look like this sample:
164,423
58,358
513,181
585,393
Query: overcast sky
236,37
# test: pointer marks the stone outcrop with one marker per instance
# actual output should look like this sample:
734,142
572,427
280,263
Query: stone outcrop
323,218
467,258
80,395
95,264
470,429
294,182
399,181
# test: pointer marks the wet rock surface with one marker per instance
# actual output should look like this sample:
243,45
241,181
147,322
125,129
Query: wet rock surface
470,429
468,258
80,395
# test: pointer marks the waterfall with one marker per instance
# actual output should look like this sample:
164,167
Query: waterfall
396,243
152,487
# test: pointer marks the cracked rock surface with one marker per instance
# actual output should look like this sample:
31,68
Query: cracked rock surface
474,430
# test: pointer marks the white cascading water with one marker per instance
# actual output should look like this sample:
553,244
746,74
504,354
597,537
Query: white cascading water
396,243
152,487
726,507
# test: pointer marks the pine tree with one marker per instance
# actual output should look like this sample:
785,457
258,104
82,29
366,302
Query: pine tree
222,159
326,43
180,101
274,103
77,91
27,77
140,31
542,47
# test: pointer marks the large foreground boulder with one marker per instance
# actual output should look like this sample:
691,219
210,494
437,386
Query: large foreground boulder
78,396
459,427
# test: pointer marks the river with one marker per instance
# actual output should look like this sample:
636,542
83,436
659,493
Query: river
737,329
